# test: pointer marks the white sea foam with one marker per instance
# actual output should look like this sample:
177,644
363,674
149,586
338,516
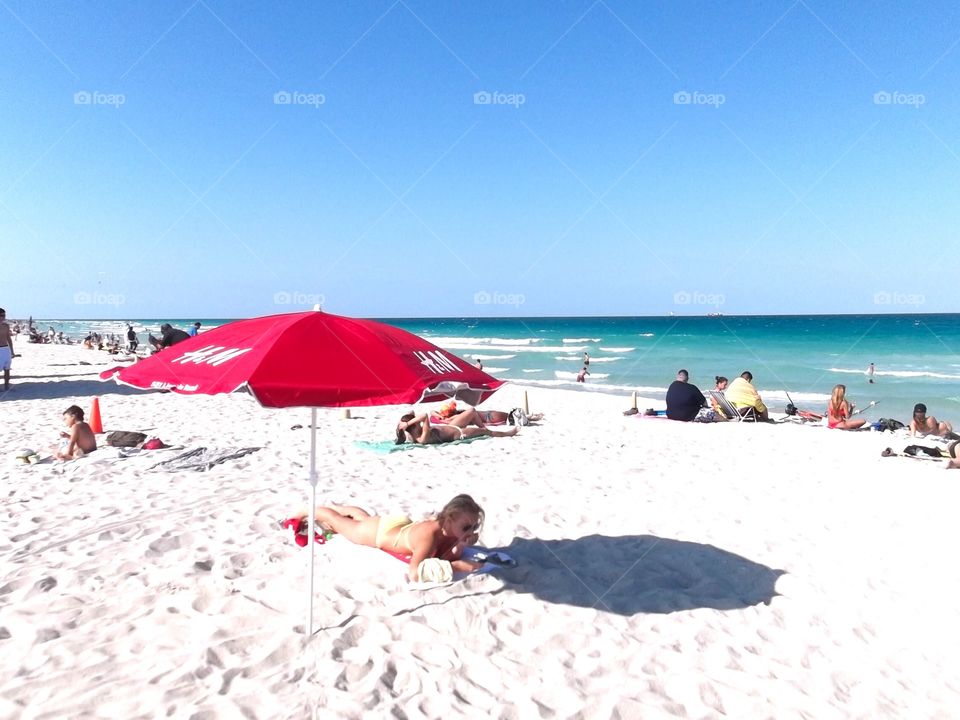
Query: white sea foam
494,370
646,334
618,349
493,357
564,375
898,373
605,359
445,341
566,358
532,370
506,348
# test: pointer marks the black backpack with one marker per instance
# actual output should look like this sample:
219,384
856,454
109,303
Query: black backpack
125,438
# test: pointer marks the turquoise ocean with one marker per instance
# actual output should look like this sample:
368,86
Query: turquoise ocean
917,357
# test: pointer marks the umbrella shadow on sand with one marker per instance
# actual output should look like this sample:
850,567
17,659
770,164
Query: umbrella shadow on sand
637,574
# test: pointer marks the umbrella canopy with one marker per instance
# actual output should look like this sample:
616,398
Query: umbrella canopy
311,359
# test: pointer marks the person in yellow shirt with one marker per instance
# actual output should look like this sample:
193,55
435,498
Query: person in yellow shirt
742,394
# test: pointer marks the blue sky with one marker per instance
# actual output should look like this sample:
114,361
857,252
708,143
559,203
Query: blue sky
408,158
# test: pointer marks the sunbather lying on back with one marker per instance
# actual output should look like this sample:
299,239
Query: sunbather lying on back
449,410
468,424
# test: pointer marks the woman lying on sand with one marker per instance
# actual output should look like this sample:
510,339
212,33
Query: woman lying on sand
468,424
455,527
449,410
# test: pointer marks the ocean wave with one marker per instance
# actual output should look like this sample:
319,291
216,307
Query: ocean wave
898,373
494,371
605,359
533,370
646,334
618,349
493,357
505,348
564,375
471,341
581,340
567,358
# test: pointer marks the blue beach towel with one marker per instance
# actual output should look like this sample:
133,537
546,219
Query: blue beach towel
385,447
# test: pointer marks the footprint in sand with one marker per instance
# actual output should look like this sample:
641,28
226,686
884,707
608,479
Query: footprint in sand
163,545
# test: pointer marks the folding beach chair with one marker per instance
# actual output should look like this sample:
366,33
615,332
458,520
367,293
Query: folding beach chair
747,414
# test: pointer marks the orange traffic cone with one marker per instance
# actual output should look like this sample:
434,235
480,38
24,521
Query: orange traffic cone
95,424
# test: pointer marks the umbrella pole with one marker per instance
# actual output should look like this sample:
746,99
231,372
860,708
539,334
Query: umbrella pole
313,512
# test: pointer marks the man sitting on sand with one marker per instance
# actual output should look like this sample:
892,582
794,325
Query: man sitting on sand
921,424
743,395
169,335
80,440
684,399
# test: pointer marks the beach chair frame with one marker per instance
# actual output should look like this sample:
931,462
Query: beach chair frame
747,414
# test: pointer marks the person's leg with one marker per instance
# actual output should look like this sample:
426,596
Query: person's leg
467,417
944,427
349,510
6,379
851,424
472,432
360,532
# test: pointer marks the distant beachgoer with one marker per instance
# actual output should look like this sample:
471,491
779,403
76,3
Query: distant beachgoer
132,341
684,399
80,440
194,329
455,527
743,395
870,371
170,335
586,359
6,349
840,409
921,424
468,424
479,364
581,376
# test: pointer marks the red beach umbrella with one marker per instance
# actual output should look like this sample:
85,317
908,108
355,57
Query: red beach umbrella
311,359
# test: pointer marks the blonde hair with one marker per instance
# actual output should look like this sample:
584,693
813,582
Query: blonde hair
838,399
459,505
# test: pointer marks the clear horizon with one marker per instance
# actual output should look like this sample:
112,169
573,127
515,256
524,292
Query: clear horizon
407,160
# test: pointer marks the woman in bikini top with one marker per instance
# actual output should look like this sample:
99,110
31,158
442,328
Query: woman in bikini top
468,424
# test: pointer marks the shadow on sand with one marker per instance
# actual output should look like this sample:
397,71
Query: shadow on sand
637,574
65,389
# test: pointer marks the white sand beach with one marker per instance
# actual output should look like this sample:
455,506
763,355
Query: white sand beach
665,569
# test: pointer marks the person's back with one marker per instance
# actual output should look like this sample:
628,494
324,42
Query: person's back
684,399
741,393
172,336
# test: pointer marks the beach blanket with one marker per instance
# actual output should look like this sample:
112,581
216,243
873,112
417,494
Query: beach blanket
202,458
385,447
365,564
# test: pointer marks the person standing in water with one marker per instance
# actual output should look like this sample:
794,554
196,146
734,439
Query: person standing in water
870,370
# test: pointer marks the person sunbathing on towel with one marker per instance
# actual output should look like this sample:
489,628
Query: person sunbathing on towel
444,537
449,410
468,424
